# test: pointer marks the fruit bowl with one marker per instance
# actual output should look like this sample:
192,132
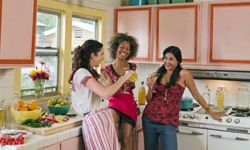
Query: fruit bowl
20,116
59,110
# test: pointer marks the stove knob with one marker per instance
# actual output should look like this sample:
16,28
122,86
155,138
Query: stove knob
185,115
237,120
192,116
229,120
179,115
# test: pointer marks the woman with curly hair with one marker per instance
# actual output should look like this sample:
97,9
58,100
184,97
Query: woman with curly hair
87,90
123,47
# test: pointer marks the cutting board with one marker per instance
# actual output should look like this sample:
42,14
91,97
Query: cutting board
55,128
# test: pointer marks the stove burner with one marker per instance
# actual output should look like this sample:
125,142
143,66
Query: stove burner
190,109
240,109
196,105
240,112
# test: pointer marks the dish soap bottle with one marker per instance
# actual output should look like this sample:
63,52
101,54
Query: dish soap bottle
142,94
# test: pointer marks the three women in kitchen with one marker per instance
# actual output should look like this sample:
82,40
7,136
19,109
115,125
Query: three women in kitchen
124,109
87,90
165,89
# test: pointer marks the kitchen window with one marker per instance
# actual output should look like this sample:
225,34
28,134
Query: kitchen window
82,30
47,50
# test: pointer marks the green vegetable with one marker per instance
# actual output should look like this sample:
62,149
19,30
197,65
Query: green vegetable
35,123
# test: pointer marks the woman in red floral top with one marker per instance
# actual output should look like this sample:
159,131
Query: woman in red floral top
165,89
123,47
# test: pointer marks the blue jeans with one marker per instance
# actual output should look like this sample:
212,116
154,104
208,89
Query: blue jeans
155,133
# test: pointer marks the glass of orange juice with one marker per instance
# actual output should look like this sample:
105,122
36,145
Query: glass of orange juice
133,77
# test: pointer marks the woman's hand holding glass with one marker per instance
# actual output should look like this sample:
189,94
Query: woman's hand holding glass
130,76
130,73
151,81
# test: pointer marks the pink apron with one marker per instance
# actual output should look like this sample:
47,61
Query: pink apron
124,103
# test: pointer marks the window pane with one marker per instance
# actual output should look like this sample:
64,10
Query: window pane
47,41
47,31
82,30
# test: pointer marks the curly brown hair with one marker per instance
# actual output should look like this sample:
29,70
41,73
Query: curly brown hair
120,37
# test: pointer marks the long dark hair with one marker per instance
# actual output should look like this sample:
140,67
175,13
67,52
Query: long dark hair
162,70
81,58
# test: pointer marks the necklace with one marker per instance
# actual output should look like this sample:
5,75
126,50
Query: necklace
165,95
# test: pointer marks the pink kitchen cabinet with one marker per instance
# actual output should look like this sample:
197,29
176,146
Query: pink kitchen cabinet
178,25
229,32
52,147
74,143
17,30
157,27
212,35
136,21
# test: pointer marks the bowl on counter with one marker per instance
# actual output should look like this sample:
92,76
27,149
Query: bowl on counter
21,116
58,110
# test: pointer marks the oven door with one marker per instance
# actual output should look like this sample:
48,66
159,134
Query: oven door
189,138
220,140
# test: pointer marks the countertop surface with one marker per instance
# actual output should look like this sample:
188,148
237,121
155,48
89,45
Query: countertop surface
38,141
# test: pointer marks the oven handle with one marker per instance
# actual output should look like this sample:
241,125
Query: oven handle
236,138
190,133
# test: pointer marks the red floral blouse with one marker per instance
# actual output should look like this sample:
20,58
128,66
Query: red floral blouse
109,69
164,106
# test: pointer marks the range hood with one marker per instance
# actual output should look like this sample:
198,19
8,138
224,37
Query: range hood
221,75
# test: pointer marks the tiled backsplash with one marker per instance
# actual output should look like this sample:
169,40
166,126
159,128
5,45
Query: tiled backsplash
231,87
6,83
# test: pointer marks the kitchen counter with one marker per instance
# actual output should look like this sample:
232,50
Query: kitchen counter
37,142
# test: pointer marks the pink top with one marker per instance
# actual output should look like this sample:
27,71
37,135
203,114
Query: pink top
123,100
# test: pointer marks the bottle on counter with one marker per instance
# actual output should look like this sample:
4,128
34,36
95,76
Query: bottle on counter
142,94
220,100
206,95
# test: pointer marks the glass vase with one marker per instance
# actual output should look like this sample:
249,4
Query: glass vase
39,87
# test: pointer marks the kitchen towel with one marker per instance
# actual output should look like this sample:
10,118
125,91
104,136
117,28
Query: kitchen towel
99,130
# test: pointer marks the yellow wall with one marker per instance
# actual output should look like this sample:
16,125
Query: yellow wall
66,11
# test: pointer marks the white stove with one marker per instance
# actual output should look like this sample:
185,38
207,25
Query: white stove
199,118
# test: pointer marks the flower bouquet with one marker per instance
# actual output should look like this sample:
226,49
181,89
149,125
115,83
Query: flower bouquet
39,76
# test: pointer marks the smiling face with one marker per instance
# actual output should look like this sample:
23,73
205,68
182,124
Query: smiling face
123,50
170,62
95,60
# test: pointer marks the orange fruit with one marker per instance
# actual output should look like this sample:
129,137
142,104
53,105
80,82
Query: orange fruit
20,103
24,108
32,105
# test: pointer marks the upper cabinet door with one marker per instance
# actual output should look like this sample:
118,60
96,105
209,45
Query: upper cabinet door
230,33
177,25
18,28
136,22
